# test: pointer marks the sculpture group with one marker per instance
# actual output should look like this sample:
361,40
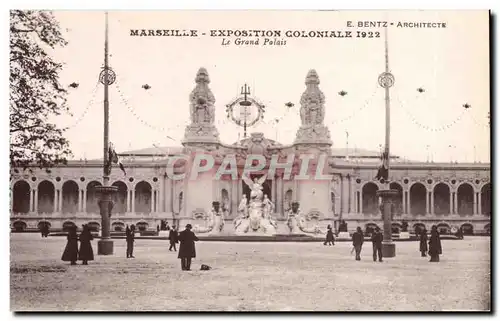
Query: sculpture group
255,215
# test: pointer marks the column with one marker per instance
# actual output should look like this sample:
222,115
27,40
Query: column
351,198
474,209
404,202
428,203
455,201
128,201
409,203
479,209
273,191
84,200
432,202
60,201
56,201
167,201
132,201
360,209
279,196
296,191
234,197
79,200
35,201
32,200
451,202
153,200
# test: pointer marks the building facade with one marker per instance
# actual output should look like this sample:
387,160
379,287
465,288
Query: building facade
445,194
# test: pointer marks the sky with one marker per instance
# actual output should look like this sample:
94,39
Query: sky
451,64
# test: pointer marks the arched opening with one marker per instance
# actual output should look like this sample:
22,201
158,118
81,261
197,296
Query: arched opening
370,228
396,228
443,228
46,193
418,228
143,197
398,201
43,224
92,197
70,197
118,226
68,225
225,203
21,197
418,199
486,199
19,226
94,226
465,200
120,197
370,199
441,199
467,229
141,226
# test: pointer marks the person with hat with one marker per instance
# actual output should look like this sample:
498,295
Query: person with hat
377,239
330,240
130,238
357,242
187,249
172,237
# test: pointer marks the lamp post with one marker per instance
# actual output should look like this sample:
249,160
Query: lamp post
388,196
107,77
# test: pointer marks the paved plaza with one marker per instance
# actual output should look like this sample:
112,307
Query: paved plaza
250,277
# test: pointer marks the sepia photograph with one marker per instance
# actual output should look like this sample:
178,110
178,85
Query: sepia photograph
250,160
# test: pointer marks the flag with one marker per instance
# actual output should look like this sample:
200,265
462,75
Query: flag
113,158
383,170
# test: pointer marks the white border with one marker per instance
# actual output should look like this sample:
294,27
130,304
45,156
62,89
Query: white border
188,4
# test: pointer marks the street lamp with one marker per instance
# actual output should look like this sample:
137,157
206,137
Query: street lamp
107,77
388,196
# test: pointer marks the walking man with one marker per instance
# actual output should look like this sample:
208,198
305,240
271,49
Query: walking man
172,236
357,242
377,239
130,236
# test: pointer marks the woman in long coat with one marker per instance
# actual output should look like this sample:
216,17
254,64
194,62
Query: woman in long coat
329,236
70,253
435,245
423,242
187,249
86,253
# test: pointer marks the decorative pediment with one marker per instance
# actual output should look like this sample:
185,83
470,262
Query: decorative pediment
199,214
313,215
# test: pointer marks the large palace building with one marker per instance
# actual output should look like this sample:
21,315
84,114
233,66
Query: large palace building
445,194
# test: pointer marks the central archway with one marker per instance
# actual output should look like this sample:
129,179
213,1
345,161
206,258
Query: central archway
418,199
465,200
370,199
46,194
398,202
70,197
441,199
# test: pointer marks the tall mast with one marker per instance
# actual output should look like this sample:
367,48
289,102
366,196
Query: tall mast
387,107
106,106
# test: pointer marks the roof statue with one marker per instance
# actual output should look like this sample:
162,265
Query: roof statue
202,111
312,113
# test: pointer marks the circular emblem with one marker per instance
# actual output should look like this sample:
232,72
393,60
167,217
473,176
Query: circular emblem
111,76
243,112
386,80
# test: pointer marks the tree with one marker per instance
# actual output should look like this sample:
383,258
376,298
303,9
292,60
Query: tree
35,91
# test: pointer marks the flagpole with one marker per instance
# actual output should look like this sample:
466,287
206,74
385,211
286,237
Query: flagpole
107,77
386,81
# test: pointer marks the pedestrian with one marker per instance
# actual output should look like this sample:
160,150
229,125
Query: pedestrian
158,229
86,253
423,242
130,237
187,249
357,242
329,236
435,248
172,236
70,253
377,239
